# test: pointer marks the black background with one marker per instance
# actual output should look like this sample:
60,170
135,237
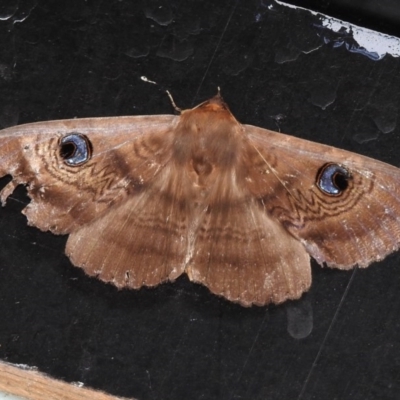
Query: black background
178,341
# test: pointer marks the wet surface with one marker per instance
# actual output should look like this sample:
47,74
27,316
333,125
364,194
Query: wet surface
276,70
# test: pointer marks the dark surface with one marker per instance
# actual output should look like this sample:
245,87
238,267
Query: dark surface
178,341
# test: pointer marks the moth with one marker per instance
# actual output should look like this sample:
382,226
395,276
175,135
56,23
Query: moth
239,209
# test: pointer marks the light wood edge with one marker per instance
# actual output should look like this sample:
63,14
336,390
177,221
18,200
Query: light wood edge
33,385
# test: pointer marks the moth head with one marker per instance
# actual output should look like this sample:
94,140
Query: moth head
216,104
75,149
333,179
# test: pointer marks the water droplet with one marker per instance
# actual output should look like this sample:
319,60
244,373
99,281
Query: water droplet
300,319
161,14
323,96
8,10
175,50
138,51
365,137
386,120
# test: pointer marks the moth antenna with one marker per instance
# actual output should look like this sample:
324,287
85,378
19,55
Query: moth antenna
173,102
145,79
218,92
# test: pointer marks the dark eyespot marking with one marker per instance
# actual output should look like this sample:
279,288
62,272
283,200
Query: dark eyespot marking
333,179
75,149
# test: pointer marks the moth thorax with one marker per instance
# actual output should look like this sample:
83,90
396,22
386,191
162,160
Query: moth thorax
207,139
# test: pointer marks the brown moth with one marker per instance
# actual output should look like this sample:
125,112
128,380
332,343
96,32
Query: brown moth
240,209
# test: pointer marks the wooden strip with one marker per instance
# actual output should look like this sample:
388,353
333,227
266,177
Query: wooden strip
34,385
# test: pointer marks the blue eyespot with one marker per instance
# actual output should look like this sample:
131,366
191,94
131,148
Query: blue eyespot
333,179
75,149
